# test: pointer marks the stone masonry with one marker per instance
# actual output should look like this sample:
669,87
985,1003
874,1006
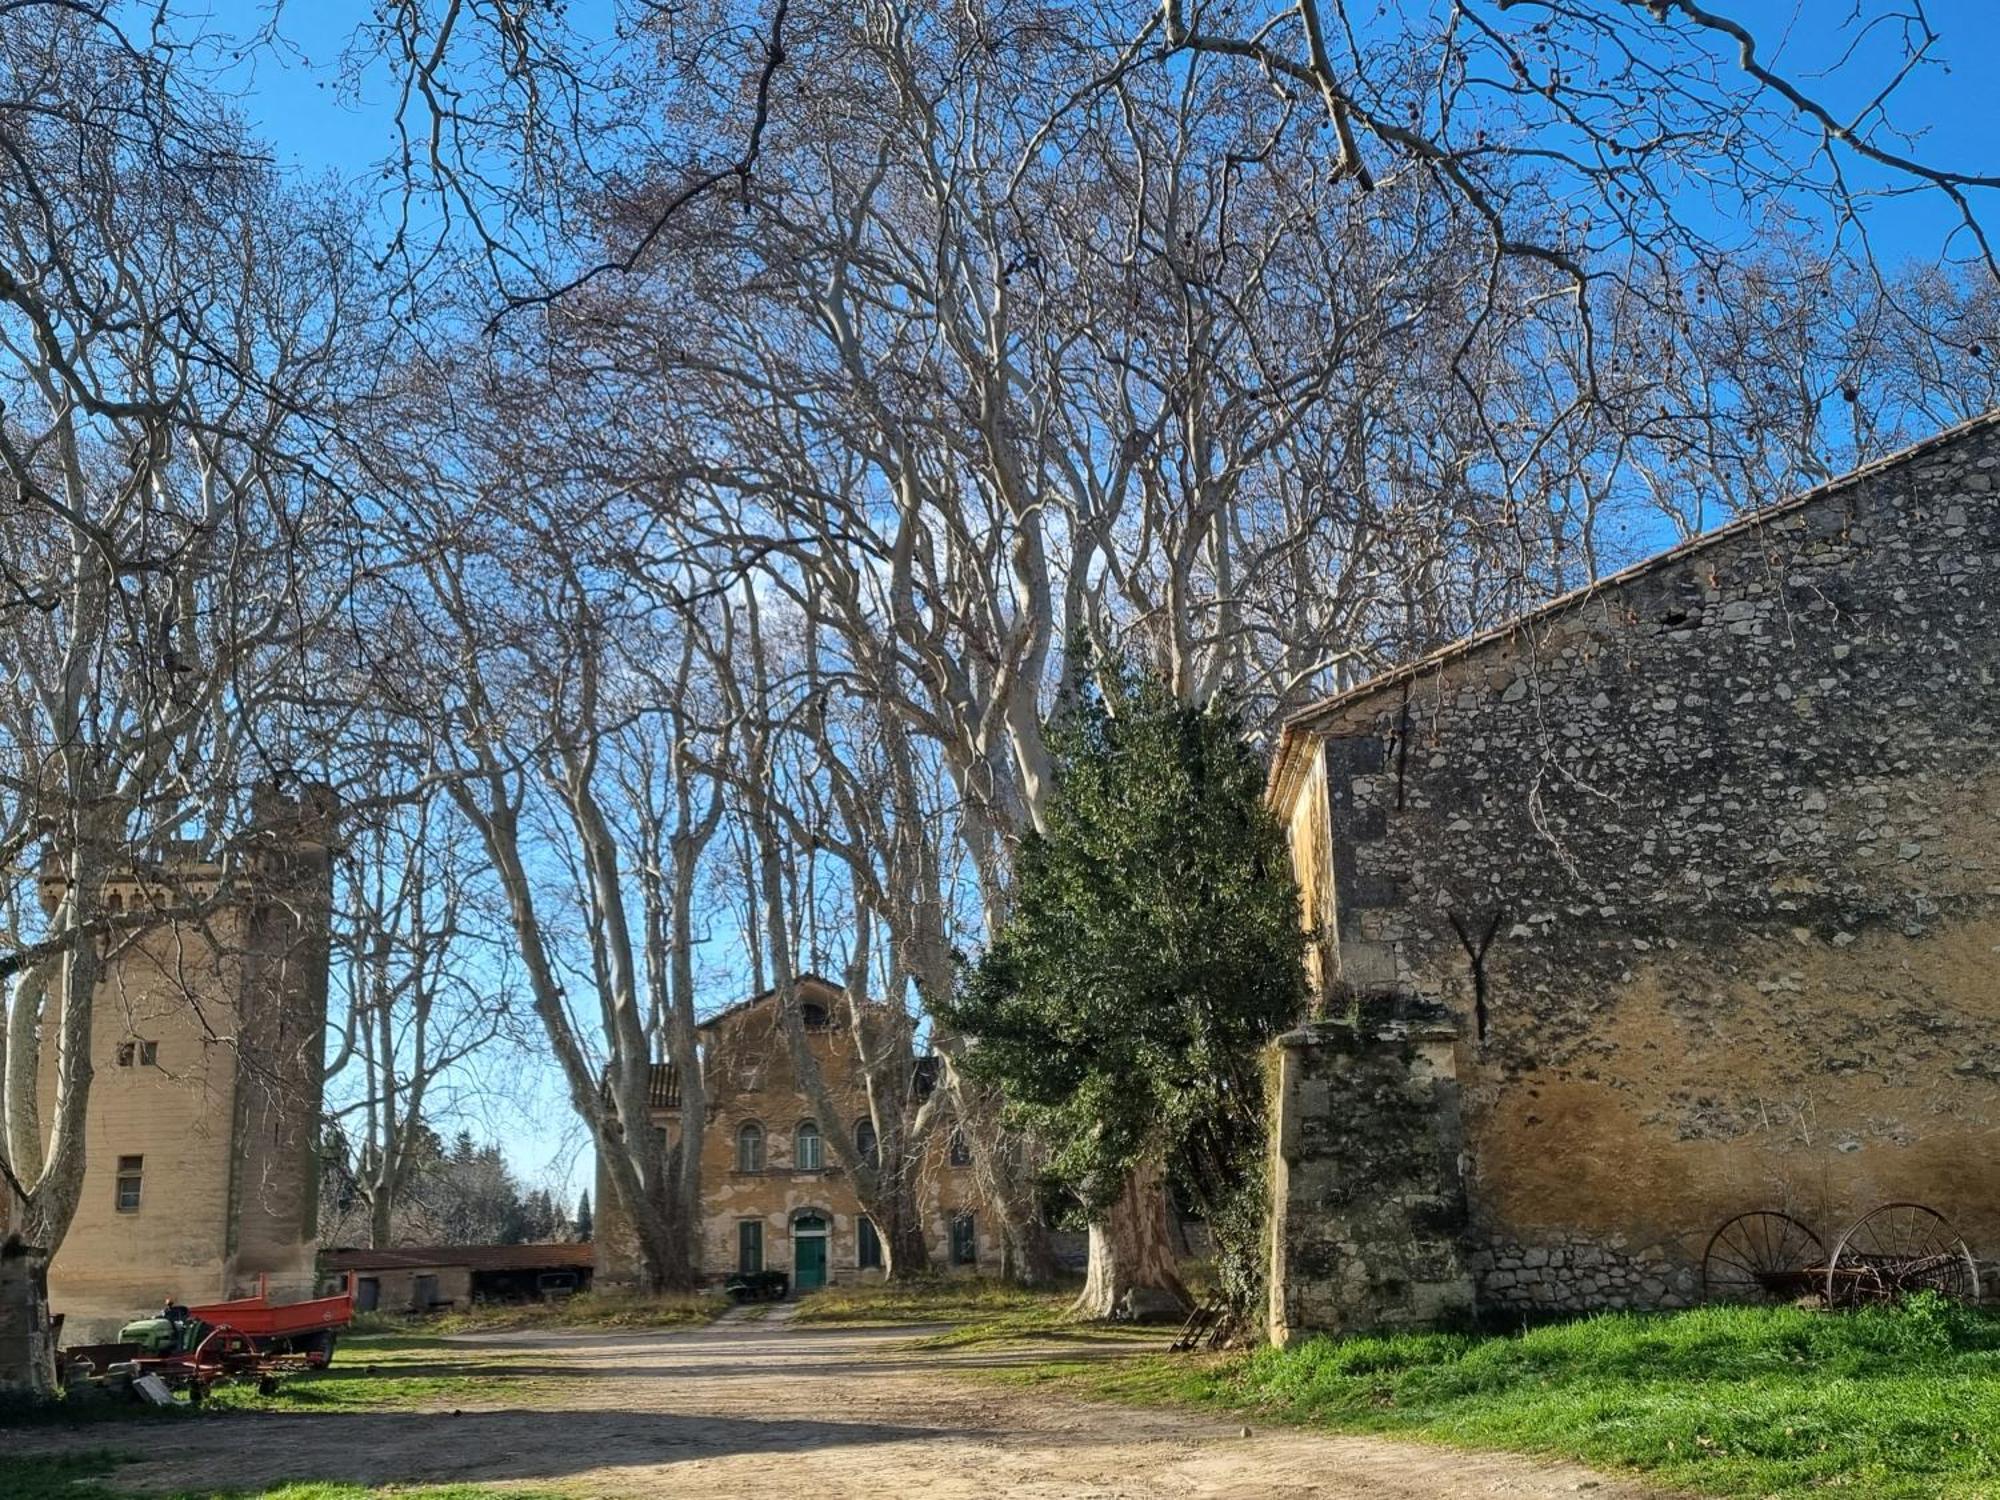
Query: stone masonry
1703,865
750,1082
201,1131
1368,1205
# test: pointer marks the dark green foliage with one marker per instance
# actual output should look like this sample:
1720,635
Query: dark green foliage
1153,947
1239,1227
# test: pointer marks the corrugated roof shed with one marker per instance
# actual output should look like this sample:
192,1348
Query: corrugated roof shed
473,1257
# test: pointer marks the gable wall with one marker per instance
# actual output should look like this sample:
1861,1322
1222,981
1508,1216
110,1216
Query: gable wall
1735,827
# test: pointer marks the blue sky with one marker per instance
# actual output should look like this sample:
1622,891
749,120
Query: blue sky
294,99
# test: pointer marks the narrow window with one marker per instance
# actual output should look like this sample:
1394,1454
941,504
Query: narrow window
749,1245
149,1054
805,1147
868,1246
750,1148
865,1142
961,1149
138,1053
125,1050
130,1172
964,1241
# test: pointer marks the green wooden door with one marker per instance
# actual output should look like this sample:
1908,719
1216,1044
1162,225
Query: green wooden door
809,1254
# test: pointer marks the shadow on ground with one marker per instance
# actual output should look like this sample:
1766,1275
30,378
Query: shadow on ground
370,1448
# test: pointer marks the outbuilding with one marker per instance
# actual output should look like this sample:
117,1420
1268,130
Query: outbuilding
1676,899
440,1278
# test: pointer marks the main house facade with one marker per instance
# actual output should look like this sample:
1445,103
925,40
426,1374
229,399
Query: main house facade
773,1196
1677,898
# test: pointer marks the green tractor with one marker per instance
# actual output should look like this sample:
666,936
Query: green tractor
166,1332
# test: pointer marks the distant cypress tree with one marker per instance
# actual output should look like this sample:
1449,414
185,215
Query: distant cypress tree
583,1218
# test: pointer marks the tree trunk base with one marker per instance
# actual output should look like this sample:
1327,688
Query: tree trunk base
27,1342
1031,1256
1133,1271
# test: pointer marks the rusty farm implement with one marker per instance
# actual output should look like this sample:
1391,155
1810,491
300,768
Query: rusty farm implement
1887,1255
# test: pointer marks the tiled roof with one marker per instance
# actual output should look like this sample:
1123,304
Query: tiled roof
663,1088
807,981
472,1257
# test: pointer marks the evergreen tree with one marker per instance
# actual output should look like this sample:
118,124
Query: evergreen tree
583,1226
1153,947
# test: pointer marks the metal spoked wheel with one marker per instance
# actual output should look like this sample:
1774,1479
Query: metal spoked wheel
1762,1256
1896,1251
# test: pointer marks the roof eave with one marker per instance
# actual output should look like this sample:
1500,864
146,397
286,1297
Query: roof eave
1300,726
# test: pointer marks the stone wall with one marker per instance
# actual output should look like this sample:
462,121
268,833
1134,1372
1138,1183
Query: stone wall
1367,1206
1705,864
206,1046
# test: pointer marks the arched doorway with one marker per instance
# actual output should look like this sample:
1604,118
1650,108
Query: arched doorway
810,1232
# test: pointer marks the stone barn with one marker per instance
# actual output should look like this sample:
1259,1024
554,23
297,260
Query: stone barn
1676,898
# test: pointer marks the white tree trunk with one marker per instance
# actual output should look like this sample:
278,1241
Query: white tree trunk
1131,1248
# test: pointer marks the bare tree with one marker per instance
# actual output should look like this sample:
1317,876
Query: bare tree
426,988
1613,110
173,530
565,716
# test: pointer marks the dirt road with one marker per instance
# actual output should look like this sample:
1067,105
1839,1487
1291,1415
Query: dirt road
765,1410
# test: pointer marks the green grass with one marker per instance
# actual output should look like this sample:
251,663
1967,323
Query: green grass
369,1373
77,1476
933,1300
398,1372
1889,1404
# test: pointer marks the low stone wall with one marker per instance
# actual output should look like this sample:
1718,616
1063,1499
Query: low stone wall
1581,1276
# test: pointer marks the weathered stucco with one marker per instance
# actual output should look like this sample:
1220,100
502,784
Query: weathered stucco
1705,864
749,1077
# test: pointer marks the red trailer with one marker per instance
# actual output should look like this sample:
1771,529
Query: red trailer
245,1338
260,1319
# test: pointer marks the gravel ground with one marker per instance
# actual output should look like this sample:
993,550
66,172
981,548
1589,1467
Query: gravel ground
762,1410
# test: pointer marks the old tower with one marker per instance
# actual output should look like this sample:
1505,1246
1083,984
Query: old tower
206,1048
